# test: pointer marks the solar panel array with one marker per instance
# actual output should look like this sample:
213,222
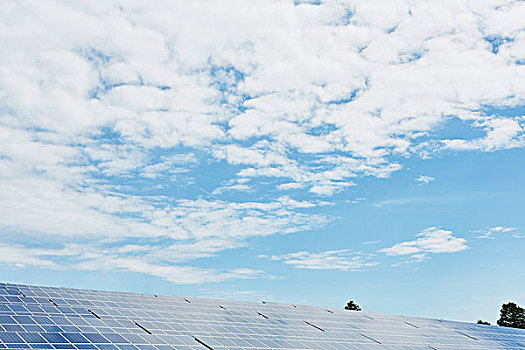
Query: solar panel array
34,317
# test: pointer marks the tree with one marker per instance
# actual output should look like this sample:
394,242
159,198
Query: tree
483,322
512,315
352,306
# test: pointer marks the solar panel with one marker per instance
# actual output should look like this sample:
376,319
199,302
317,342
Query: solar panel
33,317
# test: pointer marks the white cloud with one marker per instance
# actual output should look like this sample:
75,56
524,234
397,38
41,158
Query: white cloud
155,260
167,232
237,184
413,200
343,260
290,186
501,133
372,242
411,259
172,273
424,179
497,229
502,229
149,73
20,256
236,187
169,165
431,240
103,101
357,200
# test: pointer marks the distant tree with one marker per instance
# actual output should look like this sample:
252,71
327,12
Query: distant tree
352,306
483,322
512,315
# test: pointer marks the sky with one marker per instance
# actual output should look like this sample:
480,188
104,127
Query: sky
307,152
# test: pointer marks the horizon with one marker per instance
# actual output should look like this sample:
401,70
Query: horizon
310,152
236,301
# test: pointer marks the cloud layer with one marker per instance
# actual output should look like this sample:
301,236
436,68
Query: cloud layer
488,233
105,107
343,260
431,240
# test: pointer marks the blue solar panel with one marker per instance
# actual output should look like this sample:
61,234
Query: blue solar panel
34,317
10,337
13,328
6,319
32,337
54,338
75,338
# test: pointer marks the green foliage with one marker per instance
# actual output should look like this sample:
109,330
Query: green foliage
512,315
483,322
352,306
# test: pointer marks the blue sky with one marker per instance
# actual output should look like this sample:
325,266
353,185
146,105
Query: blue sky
305,152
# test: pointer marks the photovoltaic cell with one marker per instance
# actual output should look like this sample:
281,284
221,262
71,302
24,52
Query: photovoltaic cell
33,317
75,338
55,338
32,337
10,338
